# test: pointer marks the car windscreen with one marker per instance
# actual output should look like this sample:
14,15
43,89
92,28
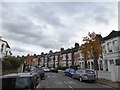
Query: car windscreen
23,82
19,83
8,83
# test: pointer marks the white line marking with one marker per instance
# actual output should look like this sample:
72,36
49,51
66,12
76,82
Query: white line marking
70,82
58,82
69,86
65,82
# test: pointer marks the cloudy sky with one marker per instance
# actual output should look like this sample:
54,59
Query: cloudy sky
35,27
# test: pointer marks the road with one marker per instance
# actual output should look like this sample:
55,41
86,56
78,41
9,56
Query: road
59,80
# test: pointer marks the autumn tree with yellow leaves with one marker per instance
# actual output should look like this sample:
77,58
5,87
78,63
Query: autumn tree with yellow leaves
92,49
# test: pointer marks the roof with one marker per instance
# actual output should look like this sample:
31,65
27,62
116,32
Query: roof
112,35
6,43
66,51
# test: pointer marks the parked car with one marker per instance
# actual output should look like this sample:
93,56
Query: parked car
83,75
40,72
20,81
69,72
30,68
54,70
45,69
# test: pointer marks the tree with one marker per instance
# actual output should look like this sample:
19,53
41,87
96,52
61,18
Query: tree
92,48
11,62
85,53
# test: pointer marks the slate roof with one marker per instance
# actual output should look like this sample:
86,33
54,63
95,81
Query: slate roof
112,35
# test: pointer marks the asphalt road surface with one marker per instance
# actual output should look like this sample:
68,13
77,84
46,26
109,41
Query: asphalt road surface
60,81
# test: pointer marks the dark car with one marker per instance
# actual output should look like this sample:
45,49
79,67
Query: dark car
54,70
69,72
83,75
30,68
20,81
40,72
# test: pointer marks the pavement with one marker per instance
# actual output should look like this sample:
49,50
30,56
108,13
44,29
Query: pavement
115,85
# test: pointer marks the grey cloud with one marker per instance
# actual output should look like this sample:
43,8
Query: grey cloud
18,22
18,49
45,13
100,19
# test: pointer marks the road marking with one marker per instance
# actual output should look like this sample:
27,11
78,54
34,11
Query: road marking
69,86
65,82
70,82
58,82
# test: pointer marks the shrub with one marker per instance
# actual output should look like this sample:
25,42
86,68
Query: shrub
62,68
74,67
11,62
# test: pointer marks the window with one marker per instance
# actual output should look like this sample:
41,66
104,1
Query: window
67,70
89,71
77,71
109,46
115,45
117,61
8,83
2,47
111,62
22,83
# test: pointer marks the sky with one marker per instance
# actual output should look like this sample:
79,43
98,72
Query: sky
35,27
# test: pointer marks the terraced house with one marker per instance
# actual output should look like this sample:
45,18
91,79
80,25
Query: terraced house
111,50
107,63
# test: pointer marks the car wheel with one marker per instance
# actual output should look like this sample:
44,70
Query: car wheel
80,79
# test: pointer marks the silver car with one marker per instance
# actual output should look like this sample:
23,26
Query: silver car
83,75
